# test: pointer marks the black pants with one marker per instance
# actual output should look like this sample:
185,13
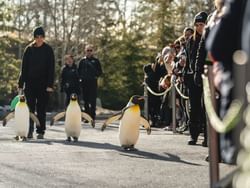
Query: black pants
89,92
37,100
166,110
154,103
197,119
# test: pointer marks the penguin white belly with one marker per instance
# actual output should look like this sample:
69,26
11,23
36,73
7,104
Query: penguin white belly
22,120
73,121
129,128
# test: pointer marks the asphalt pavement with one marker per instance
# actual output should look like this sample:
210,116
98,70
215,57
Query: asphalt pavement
162,159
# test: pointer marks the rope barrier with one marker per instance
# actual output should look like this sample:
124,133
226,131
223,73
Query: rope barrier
230,119
178,90
158,94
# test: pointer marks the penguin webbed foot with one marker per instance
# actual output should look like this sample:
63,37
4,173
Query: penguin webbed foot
16,138
24,138
75,139
93,123
148,131
68,139
103,127
128,148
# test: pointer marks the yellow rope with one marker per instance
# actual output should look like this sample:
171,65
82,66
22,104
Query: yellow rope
158,94
230,119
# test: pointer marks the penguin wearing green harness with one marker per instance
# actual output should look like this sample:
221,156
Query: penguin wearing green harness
73,116
130,121
22,116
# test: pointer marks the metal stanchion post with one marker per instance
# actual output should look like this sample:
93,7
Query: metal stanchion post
173,93
213,139
146,101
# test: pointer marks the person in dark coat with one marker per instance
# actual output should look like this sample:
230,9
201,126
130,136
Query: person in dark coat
197,113
37,78
223,40
69,78
153,73
89,70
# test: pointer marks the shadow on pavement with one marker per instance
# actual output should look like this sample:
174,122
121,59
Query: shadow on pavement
148,155
135,153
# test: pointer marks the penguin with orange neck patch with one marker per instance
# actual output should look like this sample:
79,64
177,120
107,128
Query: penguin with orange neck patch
130,121
22,116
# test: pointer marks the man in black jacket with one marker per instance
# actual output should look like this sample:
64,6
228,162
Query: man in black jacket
89,70
37,78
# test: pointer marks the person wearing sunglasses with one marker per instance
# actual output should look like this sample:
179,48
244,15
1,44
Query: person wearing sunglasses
89,70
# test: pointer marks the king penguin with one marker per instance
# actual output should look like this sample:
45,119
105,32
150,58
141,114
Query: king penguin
21,117
130,121
73,116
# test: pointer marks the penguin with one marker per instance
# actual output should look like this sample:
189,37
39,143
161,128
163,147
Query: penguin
73,117
21,116
130,121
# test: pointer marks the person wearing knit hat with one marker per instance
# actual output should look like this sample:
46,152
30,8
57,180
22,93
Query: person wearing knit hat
200,17
39,31
37,78
196,110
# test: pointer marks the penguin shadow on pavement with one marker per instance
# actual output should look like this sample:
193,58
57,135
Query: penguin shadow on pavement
135,153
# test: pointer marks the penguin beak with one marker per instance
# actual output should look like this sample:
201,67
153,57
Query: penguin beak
73,97
22,98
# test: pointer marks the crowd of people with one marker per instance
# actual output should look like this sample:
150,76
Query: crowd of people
210,41
179,61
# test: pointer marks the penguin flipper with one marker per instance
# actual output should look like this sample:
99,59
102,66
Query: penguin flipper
112,119
88,118
35,119
57,117
145,124
7,118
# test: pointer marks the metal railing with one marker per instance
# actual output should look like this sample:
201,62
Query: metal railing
173,88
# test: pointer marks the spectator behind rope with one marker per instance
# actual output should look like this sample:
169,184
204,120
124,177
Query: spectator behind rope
168,54
153,73
196,111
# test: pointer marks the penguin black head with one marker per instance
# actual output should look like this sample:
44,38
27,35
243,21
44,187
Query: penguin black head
73,97
137,99
22,98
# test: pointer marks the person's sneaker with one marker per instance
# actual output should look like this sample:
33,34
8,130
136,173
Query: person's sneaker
40,136
168,128
192,142
204,143
182,129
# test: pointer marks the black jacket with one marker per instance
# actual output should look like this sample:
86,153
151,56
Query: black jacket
153,76
224,39
89,68
38,66
70,79
191,50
